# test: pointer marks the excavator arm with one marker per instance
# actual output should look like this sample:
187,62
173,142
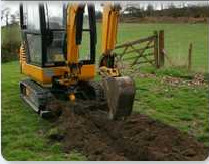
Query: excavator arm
109,28
119,90
72,47
109,39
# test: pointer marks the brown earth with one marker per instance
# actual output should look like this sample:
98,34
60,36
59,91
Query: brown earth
136,138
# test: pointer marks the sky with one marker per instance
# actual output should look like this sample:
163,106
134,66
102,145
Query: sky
14,5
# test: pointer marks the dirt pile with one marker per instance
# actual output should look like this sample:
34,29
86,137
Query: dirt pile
135,138
197,80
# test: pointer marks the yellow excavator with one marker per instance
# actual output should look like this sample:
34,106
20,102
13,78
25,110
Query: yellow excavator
52,36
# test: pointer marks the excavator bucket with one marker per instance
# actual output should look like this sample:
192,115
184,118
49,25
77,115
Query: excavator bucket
120,93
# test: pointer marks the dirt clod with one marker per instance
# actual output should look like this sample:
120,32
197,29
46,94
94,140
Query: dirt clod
136,138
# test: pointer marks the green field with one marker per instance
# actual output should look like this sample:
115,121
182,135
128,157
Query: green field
177,40
185,107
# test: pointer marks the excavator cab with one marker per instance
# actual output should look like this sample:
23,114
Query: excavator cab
44,33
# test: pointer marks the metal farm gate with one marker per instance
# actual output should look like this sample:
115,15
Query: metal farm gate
149,50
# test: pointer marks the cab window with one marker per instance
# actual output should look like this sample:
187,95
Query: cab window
33,17
32,32
54,12
54,16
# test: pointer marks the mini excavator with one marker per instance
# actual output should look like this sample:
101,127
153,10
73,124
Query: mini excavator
54,66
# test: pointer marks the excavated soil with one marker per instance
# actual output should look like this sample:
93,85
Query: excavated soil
85,127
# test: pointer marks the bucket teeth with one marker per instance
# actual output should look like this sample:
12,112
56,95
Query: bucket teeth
120,92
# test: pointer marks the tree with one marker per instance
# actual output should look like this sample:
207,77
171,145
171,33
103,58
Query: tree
98,14
134,11
171,6
150,10
13,19
5,13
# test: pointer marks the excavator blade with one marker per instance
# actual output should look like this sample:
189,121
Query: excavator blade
120,93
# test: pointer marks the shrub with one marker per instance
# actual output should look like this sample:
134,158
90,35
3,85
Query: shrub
10,51
11,41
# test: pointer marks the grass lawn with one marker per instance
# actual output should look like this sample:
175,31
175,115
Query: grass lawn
22,129
183,106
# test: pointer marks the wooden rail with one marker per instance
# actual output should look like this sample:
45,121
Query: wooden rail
190,57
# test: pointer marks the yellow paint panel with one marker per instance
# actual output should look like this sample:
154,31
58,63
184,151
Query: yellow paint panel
44,75
87,72
72,48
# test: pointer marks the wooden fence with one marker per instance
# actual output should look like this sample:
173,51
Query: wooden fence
145,50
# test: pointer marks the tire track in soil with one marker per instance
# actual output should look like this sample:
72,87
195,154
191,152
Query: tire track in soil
136,138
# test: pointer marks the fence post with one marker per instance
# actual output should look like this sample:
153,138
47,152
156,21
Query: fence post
161,48
190,57
156,49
